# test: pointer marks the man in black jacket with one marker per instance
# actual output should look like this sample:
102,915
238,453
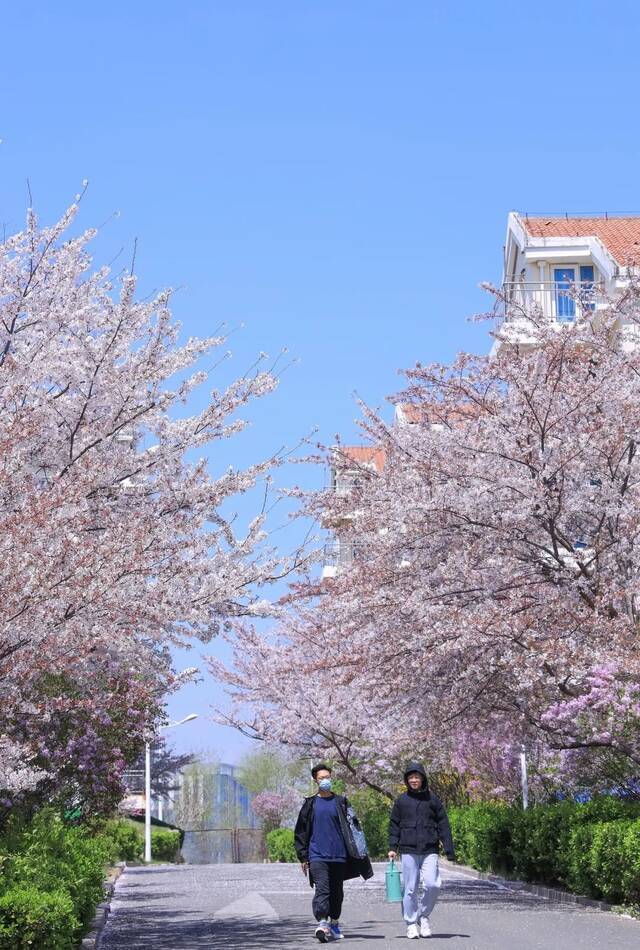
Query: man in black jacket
327,852
417,827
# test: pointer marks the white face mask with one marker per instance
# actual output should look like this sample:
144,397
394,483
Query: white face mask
324,784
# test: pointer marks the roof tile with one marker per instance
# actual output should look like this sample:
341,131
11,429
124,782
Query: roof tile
620,235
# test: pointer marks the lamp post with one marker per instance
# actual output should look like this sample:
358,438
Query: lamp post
147,785
524,778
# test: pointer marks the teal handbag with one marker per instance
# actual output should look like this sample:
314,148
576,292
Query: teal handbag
393,883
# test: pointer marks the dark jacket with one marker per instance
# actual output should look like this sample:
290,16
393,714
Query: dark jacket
419,823
355,866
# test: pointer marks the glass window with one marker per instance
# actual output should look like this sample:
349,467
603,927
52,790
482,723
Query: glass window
587,299
564,278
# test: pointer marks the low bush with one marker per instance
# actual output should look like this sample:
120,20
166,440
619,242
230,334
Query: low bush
591,848
165,845
31,918
124,840
280,846
52,876
49,856
481,834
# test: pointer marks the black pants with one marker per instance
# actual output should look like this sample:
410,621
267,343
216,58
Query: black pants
328,880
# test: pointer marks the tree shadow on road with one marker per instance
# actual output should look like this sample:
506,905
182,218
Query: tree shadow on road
483,894
169,930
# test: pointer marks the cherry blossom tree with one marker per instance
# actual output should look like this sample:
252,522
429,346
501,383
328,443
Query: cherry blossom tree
499,568
113,544
273,807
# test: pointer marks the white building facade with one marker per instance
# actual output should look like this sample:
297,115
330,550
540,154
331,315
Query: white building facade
566,266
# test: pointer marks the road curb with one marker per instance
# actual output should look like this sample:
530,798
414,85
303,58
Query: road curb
91,940
540,890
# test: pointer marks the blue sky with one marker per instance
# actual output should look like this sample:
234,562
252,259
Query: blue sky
334,175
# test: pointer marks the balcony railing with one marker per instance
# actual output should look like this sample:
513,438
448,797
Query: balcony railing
341,553
561,300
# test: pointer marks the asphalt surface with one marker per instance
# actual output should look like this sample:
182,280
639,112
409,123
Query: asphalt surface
268,907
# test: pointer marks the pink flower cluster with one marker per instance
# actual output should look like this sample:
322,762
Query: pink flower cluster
490,583
112,544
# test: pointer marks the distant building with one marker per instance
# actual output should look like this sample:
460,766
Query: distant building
214,809
565,265
560,265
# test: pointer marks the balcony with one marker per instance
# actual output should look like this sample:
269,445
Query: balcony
563,301
341,554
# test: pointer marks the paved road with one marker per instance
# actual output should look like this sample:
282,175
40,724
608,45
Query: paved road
267,907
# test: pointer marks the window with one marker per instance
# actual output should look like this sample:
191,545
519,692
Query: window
587,286
564,279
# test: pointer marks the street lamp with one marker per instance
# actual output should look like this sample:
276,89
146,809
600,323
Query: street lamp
524,778
147,785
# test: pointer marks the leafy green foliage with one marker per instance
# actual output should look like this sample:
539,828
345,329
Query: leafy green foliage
124,840
32,918
52,876
52,856
280,845
591,848
165,844
481,834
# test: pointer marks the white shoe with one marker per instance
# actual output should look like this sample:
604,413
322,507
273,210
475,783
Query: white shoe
323,932
412,932
425,929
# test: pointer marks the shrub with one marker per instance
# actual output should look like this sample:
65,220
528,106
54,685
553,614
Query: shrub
51,856
32,918
591,848
605,860
481,834
165,844
280,846
52,877
124,840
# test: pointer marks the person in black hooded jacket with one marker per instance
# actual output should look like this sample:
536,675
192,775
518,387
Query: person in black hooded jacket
417,828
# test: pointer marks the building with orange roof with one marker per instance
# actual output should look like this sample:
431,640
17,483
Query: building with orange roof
566,265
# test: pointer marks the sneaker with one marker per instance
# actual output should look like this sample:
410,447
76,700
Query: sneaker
412,932
323,932
425,929
337,933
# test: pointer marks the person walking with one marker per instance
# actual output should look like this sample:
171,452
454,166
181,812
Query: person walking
417,827
327,851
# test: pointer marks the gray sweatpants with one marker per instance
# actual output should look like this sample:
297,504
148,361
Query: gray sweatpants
417,868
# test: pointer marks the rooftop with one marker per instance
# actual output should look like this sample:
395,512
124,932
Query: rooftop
363,455
620,234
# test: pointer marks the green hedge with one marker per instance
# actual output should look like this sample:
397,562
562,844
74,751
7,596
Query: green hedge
32,918
591,848
125,840
280,846
52,877
165,845
52,873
